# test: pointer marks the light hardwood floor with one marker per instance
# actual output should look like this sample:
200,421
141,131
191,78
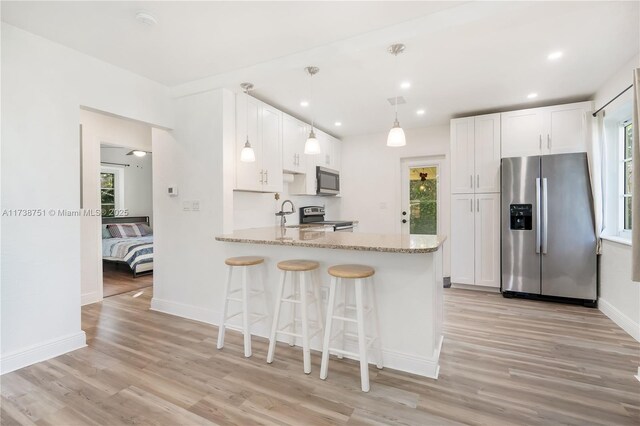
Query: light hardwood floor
118,279
503,362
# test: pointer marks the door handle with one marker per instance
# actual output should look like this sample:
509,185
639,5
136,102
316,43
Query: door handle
261,176
266,177
478,205
478,181
470,181
404,213
471,205
545,216
548,141
540,143
404,220
538,215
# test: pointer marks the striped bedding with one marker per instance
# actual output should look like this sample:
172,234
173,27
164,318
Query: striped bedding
135,251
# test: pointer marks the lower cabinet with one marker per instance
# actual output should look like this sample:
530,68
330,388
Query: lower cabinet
475,239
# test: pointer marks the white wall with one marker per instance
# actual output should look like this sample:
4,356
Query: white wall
198,157
371,182
619,297
138,186
43,87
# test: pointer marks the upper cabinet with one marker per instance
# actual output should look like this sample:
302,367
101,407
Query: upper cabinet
294,136
541,131
265,135
475,154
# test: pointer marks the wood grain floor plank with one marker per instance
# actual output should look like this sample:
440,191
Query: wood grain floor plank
503,362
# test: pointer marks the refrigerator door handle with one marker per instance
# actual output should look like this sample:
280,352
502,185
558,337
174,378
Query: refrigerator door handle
545,216
537,215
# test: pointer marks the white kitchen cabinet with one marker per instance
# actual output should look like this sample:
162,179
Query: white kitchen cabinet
462,237
486,131
487,240
475,239
549,130
328,147
475,154
265,136
462,167
294,136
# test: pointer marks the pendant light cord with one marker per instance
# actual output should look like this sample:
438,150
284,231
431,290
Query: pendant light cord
396,73
246,92
311,97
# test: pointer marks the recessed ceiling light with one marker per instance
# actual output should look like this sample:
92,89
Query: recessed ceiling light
420,112
554,55
146,18
304,104
532,95
337,123
405,84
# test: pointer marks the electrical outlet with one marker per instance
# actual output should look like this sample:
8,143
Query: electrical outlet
195,206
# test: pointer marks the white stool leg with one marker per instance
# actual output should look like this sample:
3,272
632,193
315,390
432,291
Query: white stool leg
223,317
306,349
245,313
295,283
362,340
316,293
376,322
345,299
324,366
276,317
265,298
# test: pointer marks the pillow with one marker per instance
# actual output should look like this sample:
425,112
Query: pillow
105,232
144,229
124,230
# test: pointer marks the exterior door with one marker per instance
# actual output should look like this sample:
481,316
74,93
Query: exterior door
487,240
462,239
420,187
568,237
520,234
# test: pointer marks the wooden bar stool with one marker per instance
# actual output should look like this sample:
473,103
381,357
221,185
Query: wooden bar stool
300,295
361,274
246,293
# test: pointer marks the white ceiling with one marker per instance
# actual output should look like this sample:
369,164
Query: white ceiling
461,57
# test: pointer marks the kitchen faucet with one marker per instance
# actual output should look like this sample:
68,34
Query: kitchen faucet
282,213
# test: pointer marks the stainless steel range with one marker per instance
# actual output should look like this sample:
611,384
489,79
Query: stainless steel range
314,215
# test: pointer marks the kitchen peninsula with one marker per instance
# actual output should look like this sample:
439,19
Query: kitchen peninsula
408,282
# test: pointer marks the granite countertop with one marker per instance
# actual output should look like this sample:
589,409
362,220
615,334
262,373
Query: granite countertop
319,238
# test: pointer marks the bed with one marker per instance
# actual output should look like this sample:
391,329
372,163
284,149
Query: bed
134,252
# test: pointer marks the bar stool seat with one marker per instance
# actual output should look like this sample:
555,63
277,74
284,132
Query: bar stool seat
303,294
362,275
351,271
244,261
298,265
241,296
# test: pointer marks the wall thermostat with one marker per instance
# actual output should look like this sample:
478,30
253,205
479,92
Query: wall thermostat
172,191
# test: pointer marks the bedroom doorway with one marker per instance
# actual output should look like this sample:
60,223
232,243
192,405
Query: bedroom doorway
117,190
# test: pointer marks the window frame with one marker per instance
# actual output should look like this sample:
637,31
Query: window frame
118,187
621,172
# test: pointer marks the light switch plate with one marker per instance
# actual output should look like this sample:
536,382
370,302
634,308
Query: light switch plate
195,206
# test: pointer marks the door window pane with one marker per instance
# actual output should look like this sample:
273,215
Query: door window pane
423,200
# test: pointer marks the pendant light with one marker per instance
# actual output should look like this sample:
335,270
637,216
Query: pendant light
396,134
311,146
247,155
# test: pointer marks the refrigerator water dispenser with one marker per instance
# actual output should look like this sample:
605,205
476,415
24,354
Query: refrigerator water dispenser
521,215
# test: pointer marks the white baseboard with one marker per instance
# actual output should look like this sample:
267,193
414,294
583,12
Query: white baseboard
623,321
42,352
476,287
89,298
410,363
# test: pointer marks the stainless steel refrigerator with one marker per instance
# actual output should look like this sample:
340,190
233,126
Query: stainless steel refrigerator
548,237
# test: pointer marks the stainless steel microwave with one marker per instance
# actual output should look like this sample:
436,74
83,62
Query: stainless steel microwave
327,181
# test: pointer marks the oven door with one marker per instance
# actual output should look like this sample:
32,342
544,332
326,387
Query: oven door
328,181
